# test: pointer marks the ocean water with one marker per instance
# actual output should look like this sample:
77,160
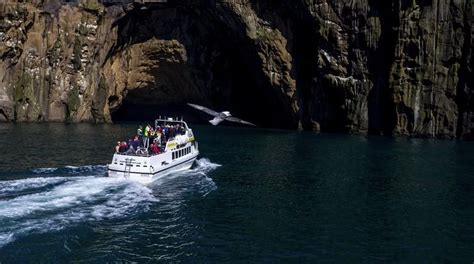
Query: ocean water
253,196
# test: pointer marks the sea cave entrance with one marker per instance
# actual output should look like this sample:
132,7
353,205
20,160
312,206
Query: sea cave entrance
221,73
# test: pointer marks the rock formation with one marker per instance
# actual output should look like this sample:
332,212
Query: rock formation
400,67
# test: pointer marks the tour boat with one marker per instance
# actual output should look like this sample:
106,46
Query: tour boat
178,153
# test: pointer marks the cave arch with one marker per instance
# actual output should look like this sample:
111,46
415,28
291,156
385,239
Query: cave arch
194,56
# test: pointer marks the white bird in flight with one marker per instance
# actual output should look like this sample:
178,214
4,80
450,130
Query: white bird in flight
219,117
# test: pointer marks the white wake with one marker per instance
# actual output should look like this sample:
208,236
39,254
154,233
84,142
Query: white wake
73,200
195,178
49,203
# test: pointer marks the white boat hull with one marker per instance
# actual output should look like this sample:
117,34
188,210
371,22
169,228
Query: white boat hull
146,169
148,178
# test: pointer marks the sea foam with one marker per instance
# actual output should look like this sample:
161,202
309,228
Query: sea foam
46,204
76,199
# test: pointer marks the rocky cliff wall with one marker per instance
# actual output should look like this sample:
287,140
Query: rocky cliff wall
384,67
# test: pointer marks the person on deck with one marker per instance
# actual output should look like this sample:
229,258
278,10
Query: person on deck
171,132
123,146
145,136
140,132
157,138
152,134
135,143
117,147
164,134
155,149
131,149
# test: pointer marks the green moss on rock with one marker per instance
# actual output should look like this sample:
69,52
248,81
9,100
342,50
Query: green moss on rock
23,86
54,52
92,6
83,30
76,61
73,101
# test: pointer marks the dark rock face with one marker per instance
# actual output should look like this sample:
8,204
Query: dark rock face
401,67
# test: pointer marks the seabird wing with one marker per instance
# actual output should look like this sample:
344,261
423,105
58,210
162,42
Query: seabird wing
238,120
204,109
216,120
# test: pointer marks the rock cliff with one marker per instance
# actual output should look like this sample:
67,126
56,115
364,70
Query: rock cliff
400,67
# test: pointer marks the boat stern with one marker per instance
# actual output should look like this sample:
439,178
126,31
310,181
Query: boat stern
135,167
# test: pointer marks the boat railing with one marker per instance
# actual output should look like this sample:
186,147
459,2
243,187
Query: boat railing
163,121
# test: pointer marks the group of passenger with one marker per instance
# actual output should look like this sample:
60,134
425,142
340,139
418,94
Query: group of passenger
149,140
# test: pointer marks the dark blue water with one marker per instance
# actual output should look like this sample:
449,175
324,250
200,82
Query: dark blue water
254,196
